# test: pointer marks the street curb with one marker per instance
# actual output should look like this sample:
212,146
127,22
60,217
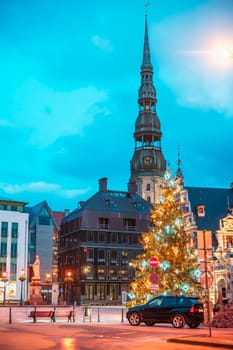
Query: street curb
200,342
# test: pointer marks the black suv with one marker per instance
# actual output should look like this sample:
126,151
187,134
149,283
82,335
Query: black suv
177,310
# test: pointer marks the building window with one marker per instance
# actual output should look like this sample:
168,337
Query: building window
101,272
125,238
4,229
13,207
2,267
147,187
113,292
14,249
104,223
101,236
44,218
101,255
134,239
114,237
101,292
148,199
13,271
130,224
113,273
90,236
124,254
89,292
124,273
90,254
14,230
113,256
3,249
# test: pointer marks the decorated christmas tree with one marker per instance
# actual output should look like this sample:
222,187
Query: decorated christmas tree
169,263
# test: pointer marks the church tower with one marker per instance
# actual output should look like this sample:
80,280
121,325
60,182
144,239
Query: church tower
147,165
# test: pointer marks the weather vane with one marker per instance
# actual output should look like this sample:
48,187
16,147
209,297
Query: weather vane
146,5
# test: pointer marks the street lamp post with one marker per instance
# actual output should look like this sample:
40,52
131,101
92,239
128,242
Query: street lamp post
68,280
48,283
4,280
207,293
22,278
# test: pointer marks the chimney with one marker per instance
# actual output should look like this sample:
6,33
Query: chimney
66,212
81,203
132,187
103,184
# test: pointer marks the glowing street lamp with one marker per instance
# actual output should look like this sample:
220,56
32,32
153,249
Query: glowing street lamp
22,278
68,280
48,281
4,280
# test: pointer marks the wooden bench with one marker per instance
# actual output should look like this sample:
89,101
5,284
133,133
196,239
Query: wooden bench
38,314
62,313
52,315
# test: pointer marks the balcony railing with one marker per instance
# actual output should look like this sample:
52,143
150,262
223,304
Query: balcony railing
104,226
130,227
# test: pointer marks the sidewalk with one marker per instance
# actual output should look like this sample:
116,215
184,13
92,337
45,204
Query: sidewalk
220,339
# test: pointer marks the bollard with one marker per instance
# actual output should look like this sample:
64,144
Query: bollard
122,315
10,319
86,313
53,318
73,313
98,314
34,318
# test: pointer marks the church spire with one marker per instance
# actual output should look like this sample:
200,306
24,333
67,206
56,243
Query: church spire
179,174
179,171
148,164
146,61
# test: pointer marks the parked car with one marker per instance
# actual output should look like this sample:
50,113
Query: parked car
177,310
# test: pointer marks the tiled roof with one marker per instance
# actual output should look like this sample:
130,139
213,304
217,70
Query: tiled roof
58,216
216,202
110,201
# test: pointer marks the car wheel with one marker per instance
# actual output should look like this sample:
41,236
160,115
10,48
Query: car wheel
193,325
134,319
178,321
149,323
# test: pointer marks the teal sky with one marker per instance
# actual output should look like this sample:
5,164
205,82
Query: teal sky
70,73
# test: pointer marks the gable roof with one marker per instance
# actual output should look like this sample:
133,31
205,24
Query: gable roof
34,213
217,202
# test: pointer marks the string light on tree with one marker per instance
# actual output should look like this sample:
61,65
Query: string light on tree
170,241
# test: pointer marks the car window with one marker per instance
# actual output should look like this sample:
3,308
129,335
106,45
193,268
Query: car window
155,302
185,301
169,301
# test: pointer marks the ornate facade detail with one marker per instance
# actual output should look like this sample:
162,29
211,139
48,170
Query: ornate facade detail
223,261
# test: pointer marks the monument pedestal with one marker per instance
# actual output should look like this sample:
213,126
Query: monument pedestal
35,291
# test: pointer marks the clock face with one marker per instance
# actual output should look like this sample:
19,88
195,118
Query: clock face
148,160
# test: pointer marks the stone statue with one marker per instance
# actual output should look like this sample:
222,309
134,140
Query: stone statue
36,268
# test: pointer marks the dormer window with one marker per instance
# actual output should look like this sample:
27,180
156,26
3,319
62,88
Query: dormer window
110,203
200,210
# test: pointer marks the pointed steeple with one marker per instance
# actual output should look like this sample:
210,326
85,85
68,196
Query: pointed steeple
179,171
148,164
146,61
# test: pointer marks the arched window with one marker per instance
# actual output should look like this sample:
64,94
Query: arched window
149,199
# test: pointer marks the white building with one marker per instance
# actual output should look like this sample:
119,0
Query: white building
13,249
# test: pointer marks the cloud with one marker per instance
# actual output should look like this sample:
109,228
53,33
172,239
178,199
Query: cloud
41,186
188,49
101,43
50,114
